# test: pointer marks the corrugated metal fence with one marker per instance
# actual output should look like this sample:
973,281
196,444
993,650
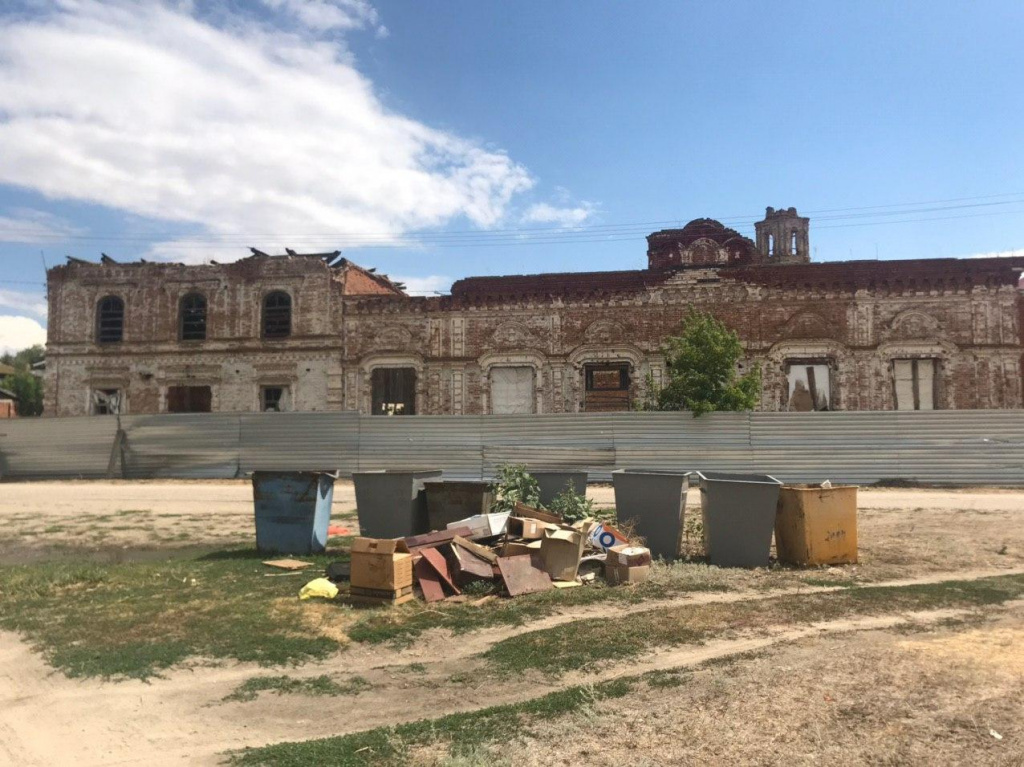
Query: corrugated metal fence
962,447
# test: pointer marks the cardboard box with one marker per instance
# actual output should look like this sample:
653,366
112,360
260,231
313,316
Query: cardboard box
381,563
483,525
530,529
630,556
513,549
560,552
616,573
604,536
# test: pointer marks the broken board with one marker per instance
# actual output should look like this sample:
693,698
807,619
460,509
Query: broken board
287,564
521,577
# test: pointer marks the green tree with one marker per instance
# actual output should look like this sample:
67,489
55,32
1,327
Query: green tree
22,384
701,364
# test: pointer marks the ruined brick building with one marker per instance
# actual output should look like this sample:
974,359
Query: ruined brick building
317,332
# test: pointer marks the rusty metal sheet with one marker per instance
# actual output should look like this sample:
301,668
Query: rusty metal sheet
440,565
521,577
468,566
429,580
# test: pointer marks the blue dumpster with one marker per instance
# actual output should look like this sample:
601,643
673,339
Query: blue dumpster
293,510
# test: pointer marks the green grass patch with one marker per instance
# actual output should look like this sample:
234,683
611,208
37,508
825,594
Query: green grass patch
287,685
586,643
401,625
462,733
133,619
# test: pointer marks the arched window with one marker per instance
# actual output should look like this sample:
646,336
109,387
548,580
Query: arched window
277,315
110,320
771,244
794,248
192,317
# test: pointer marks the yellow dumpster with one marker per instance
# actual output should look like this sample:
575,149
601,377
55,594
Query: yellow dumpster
816,525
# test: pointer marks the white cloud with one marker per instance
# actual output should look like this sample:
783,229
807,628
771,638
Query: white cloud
19,301
258,136
568,217
322,15
17,333
425,286
997,254
28,226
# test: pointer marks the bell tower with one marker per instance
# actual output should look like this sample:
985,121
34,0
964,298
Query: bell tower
783,237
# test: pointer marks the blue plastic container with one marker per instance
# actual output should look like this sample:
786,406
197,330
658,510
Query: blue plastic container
293,510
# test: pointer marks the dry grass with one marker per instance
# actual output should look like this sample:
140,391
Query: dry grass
853,699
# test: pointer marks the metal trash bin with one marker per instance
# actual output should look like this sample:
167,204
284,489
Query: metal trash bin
392,504
817,525
552,483
293,510
738,511
450,501
656,502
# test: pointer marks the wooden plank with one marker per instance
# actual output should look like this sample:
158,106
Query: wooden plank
287,564
440,565
481,551
430,582
522,510
437,537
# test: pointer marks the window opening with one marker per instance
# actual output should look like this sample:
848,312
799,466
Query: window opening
106,402
810,386
607,387
792,247
274,399
193,317
110,320
189,399
277,315
393,391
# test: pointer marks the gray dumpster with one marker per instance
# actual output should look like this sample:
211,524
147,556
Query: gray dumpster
450,501
293,510
739,517
655,501
552,483
392,504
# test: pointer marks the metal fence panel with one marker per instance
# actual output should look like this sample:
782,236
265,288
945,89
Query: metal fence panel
300,442
680,442
187,445
451,443
56,447
952,447
555,441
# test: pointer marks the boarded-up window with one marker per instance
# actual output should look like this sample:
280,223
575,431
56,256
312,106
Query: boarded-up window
915,384
512,390
393,391
810,386
189,399
607,387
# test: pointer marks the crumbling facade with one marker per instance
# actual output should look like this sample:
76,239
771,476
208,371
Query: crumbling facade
316,332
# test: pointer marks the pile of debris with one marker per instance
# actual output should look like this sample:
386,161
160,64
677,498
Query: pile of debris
522,551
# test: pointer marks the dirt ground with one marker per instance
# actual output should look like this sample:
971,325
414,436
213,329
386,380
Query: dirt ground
926,688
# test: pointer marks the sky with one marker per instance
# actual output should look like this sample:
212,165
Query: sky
437,140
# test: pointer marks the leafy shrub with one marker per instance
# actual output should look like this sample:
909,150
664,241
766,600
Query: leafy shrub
570,505
514,485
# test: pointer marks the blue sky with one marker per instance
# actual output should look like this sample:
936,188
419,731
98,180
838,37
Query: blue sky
468,137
